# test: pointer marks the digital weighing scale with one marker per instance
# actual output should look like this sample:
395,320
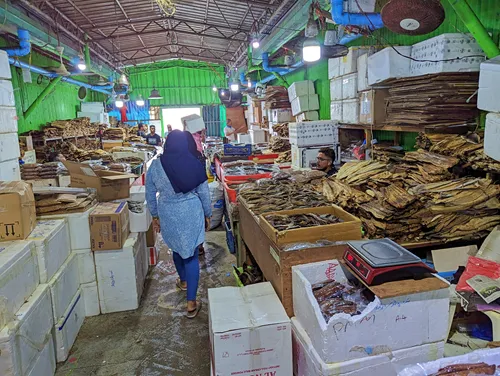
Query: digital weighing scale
382,260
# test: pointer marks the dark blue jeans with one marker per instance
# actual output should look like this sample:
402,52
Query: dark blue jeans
189,271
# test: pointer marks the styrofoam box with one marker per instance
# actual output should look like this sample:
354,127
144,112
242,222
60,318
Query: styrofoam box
120,275
9,147
5,66
140,222
138,193
349,63
250,332
92,107
387,64
18,277
350,111
78,226
313,133
308,116
307,157
350,86
94,117
64,285
336,89
384,325
492,136
67,328
333,68
258,136
144,155
86,265
336,111
51,239
8,120
488,356
7,94
308,363
281,115
489,86
10,170
244,138
305,103
45,363
32,325
446,47
91,299
363,72
300,88
352,6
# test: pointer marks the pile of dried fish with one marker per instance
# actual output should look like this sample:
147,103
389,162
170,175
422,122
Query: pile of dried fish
238,163
67,128
285,157
279,144
134,139
387,153
114,134
281,130
479,369
41,171
119,167
75,154
282,222
245,170
64,203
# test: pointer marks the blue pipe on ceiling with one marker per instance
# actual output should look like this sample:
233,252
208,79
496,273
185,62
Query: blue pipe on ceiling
359,19
294,67
24,44
244,80
270,69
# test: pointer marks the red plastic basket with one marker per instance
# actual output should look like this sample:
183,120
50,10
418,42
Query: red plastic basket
263,157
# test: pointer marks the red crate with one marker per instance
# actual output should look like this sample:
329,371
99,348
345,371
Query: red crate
246,178
263,156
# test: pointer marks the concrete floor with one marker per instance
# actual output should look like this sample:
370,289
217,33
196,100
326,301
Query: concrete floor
156,339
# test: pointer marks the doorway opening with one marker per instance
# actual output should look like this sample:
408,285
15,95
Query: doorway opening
173,116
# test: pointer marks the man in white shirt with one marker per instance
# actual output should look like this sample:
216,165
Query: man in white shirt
229,131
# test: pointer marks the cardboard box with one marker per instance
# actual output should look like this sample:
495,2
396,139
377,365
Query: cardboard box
193,123
109,226
110,185
388,64
300,88
372,106
492,136
258,136
305,103
349,229
250,333
447,261
17,210
308,116
385,325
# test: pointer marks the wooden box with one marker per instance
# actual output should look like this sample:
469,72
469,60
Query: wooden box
349,229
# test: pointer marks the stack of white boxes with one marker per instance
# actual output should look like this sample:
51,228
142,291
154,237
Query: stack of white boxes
307,138
304,100
343,75
387,336
95,111
9,144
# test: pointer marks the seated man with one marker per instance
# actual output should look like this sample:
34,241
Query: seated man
326,158
142,130
152,138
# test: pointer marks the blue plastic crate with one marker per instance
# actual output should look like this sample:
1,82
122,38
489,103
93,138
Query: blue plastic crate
230,149
231,242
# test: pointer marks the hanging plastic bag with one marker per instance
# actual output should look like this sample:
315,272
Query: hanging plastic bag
217,203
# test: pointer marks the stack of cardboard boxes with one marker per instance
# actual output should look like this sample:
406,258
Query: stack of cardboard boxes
304,100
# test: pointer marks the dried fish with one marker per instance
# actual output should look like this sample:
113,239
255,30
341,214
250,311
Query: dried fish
283,222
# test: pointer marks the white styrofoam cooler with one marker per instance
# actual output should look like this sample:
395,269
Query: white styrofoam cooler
32,325
18,277
79,228
258,136
363,72
67,328
45,363
307,157
138,193
8,120
121,276
140,222
387,64
333,68
313,133
336,89
7,94
281,115
489,86
446,47
244,138
305,103
5,72
353,6
86,265
350,111
64,285
9,147
349,63
300,88
10,170
308,363
308,116
91,299
384,325
51,239
492,136
336,111
350,86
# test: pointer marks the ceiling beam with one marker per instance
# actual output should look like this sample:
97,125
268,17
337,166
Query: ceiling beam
171,56
218,49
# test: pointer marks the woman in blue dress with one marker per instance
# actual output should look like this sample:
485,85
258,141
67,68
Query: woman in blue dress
182,210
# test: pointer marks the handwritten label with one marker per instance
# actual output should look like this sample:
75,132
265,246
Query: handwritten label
343,326
400,318
331,270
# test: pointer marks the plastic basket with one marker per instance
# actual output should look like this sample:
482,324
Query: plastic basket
230,149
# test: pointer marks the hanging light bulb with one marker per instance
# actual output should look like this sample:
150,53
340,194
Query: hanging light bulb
140,101
311,50
214,88
81,64
255,43
249,84
123,79
119,103
223,93
235,86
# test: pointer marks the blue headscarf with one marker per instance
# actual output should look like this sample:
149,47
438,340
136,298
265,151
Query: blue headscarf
184,171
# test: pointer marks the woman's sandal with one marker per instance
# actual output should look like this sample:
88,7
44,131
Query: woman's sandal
178,283
192,314
201,250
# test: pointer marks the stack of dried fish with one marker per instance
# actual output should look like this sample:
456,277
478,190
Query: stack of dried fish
133,161
59,203
134,139
114,134
75,154
276,97
279,144
281,130
71,128
289,222
473,369
425,167
285,157
342,194
30,171
49,170
387,153
120,167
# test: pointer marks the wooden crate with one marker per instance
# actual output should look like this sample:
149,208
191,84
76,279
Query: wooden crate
349,229
276,264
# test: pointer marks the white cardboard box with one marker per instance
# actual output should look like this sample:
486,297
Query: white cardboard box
349,63
300,88
5,66
350,86
86,265
305,103
95,117
244,138
350,111
312,133
7,94
336,111
18,277
489,86
387,64
492,135
9,146
333,68
258,136
78,226
52,246
308,116
363,72
120,275
45,363
10,170
384,326
250,332
308,363
282,115
67,328
138,193
31,325
8,120
64,285
140,222
336,89
193,123
90,296
307,157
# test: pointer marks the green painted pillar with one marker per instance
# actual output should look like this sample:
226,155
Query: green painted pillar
42,96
